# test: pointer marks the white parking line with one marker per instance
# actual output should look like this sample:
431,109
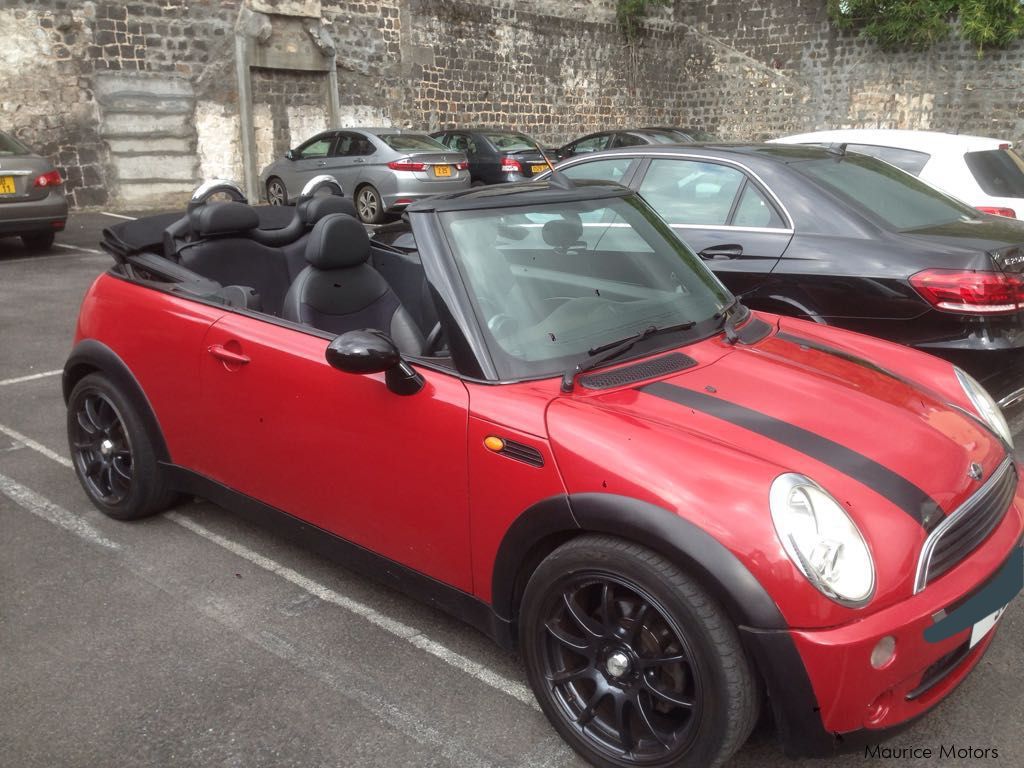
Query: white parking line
118,215
79,249
394,627
42,507
30,377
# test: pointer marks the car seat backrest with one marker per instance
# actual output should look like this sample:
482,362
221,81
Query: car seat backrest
225,252
339,291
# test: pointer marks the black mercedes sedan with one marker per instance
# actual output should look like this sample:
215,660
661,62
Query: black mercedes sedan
623,137
846,240
496,156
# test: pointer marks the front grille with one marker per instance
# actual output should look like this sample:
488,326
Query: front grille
629,374
966,528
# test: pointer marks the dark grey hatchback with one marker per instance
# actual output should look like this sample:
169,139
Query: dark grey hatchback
32,202
845,240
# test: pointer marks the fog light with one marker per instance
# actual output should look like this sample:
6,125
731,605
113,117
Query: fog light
885,652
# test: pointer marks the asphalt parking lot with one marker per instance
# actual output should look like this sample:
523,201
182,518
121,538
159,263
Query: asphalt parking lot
194,639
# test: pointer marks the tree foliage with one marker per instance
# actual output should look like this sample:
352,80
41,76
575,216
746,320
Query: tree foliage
630,15
919,24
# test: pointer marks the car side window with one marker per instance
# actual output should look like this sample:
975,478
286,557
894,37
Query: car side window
755,210
690,191
460,142
593,144
611,169
627,140
908,160
317,148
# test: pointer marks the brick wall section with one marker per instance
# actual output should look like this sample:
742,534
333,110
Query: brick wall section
746,69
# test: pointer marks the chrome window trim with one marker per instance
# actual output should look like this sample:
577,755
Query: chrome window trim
790,228
928,550
731,228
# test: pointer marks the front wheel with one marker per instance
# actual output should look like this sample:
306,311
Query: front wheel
369,205
277,193
632,661
113,452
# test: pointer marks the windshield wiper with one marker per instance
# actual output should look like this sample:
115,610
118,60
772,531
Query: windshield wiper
725,315
615,349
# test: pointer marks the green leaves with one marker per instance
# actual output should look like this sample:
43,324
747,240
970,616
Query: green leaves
919,24
630,15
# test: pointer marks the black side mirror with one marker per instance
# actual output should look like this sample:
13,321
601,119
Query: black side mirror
290,154
372,352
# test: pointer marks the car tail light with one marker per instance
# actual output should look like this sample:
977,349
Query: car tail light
48,179
510,165
463,166
406,165
1007,212
982,293
1004,146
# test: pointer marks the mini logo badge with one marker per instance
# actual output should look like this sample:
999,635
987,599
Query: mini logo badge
975,472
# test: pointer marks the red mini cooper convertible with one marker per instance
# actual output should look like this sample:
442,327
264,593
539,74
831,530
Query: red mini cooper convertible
539,411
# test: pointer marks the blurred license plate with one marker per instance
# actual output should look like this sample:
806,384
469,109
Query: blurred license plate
538,168
442,170
7,185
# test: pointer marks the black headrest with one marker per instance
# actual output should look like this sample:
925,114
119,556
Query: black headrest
337,241
225,219
314,209
562,233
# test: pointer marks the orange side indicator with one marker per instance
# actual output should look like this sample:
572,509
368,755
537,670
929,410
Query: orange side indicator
493,443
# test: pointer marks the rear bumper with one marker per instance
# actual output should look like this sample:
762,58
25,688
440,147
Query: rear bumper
28,216
826,695
408,192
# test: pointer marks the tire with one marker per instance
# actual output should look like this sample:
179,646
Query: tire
369,205
113,453
277,192
38,242
632,661
477,183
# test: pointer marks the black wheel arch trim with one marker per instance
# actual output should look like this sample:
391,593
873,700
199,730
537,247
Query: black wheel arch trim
91,355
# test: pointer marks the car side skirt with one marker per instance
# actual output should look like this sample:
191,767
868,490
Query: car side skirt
351,556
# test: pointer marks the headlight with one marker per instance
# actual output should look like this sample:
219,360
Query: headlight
986,407
822,540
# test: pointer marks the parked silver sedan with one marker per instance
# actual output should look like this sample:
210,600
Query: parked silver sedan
32,202
382,169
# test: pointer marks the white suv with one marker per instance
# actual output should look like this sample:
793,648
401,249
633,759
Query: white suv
985,173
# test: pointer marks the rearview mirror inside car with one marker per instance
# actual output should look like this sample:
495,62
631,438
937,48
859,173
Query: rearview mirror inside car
370,351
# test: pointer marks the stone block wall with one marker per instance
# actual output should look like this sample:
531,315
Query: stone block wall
137,102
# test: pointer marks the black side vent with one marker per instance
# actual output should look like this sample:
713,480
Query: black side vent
620,377
523,453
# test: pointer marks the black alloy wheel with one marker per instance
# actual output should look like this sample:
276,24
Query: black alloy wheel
629,668
113,453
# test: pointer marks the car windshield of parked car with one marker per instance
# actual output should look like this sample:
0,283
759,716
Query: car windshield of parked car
550,283
411,142
895,198
510,142
999,172
11,146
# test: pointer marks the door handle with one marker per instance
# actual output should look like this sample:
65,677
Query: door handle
322,163
359,160
227,356
728,251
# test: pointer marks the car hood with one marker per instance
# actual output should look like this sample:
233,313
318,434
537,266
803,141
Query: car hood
708,441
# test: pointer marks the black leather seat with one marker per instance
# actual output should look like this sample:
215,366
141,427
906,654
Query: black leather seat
225,252
339,291
308,213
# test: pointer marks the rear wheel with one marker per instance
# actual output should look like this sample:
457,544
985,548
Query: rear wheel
277,193
369,205
113,453
39,241
632,661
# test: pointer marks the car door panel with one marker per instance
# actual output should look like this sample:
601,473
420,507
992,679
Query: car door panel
312,159
339,450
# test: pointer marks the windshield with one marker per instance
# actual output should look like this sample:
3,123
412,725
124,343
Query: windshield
411,142
895,198
10,146
510,142
551,282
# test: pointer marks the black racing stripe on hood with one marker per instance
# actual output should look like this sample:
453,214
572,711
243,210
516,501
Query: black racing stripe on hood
900,491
